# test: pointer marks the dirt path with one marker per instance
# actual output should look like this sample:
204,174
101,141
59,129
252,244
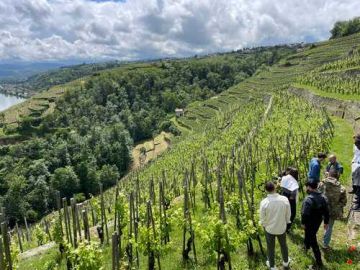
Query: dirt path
36,251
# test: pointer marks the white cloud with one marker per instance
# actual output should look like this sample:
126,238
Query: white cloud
134,29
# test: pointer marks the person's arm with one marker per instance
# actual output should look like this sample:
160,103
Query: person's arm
343,198
288,212
326,212
262,214
340,169
316,171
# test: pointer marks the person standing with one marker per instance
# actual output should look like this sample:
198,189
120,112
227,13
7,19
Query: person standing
314,211
355,169
274,216
336,198
315,168
289,188
334,164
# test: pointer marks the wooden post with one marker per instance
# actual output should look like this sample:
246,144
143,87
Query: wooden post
19,238
67,220
86,225
4,231
58,205
115,251
47,228
78,224
28,235
74,225
103,214
2,259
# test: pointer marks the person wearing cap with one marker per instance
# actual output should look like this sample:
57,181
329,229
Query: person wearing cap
315,168
314,211
355,170
274,216
289,188
335,193
334,164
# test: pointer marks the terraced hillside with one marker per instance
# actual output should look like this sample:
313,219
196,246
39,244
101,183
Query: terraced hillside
195,206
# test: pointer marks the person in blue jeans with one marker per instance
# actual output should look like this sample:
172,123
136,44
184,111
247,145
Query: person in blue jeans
335,194
315,168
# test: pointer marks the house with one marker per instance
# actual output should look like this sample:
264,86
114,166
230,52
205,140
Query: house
179,112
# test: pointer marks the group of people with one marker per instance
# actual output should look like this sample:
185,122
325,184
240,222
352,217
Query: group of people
324,203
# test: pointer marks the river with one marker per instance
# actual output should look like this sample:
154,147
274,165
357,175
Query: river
8,101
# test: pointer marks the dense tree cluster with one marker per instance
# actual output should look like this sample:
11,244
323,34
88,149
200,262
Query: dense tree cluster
89,137
345,28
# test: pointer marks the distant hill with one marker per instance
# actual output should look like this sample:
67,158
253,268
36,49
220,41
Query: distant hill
22,70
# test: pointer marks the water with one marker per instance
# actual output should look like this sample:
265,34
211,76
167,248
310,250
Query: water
8,101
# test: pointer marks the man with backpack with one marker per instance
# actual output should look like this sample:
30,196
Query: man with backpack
314,211
336,197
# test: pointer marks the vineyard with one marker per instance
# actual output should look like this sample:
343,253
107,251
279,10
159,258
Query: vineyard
195,206
341,77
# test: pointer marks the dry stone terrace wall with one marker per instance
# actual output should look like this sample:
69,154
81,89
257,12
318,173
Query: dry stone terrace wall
348,110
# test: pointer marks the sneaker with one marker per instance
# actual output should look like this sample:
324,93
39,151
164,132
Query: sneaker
286,264
325,247
268,265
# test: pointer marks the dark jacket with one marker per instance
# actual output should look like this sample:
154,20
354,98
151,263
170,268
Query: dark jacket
336,166
314,210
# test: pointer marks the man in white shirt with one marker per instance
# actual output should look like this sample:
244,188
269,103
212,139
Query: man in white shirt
274,216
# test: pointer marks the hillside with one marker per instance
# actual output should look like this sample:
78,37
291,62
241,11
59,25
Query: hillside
84,131
203,193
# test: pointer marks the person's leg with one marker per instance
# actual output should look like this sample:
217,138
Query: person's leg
357,197
284,248
307,238
328,233
315,247
293,209
270,243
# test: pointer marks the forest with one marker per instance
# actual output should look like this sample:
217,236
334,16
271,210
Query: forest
345,28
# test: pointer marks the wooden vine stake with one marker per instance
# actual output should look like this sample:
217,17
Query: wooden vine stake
67,221
58,206
115,252
6,241
150,224
189,243
223,252
19,238
164,234
86,225
103,214
28,234
2,258
129,248
74,225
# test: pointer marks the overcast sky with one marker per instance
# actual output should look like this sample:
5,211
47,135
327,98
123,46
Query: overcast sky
38,30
